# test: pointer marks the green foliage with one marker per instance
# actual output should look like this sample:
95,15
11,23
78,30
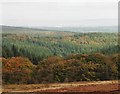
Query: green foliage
40,47
58,56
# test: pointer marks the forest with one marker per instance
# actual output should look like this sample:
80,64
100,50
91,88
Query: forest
32,56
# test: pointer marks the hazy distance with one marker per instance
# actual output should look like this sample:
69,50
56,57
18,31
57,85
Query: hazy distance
59,14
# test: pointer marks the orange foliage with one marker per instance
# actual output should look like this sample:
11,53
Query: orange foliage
17,70
16,63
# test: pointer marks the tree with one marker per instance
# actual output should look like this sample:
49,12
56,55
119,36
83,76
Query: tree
17,70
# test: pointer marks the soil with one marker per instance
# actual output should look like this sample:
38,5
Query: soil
98,87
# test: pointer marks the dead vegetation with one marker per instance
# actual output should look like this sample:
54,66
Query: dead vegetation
95,86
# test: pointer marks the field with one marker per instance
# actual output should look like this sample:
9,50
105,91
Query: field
94,87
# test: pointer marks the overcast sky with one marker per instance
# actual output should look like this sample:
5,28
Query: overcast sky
59,13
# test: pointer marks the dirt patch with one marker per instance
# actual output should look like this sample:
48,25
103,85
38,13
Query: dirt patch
98,87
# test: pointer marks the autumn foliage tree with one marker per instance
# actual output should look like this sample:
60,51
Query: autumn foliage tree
73,68
17,70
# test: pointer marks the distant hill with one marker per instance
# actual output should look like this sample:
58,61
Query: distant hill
71,29
19,29
83,29
34,31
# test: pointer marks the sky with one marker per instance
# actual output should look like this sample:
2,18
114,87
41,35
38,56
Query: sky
59,13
